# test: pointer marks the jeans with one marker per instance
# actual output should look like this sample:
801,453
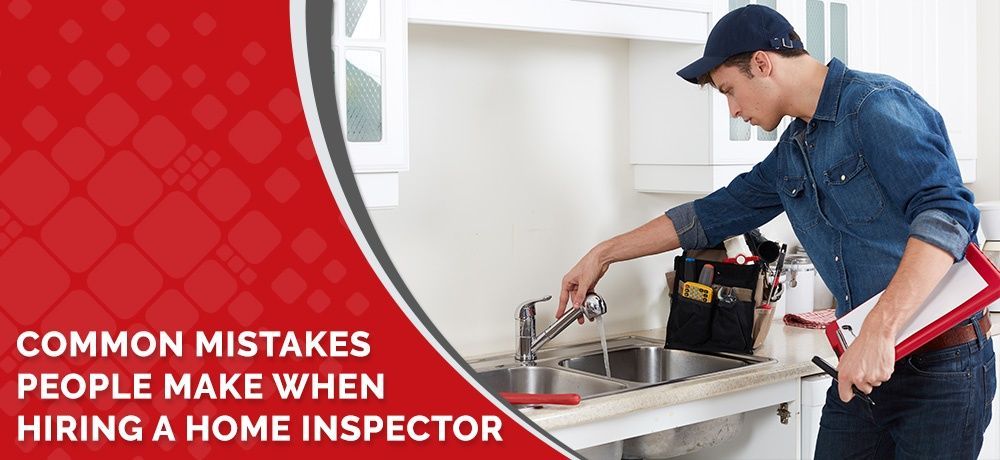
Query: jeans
936,405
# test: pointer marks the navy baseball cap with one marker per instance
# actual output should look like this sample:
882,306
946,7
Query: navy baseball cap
746,29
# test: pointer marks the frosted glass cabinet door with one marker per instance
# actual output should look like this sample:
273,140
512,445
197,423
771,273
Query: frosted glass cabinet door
369,48
816,29
363,19
364,95
734,140
839,31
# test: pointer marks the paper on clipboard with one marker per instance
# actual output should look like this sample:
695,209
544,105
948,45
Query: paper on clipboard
958,286
969,286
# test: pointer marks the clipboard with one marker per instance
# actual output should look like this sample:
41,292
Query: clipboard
970,285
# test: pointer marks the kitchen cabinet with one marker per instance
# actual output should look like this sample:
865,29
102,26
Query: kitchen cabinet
814,388
682,137
668,20
369,46
762,431
930,45
369,50
674,151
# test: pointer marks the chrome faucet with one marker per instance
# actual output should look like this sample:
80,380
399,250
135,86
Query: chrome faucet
528,344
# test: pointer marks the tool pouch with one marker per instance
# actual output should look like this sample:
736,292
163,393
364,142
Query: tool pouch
723,324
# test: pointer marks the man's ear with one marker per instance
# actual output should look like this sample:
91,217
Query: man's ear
760,64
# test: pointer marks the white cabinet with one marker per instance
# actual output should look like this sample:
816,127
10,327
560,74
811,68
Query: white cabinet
369,49
682,137
669,20
930,45
814,388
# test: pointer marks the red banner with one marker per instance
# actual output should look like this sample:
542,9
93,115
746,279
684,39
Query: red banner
160,199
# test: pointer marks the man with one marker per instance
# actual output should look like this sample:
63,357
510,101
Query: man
870,183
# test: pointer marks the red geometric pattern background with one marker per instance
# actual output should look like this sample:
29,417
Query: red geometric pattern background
156,173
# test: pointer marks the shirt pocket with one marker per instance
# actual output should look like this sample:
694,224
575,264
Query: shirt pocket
799,204
853,188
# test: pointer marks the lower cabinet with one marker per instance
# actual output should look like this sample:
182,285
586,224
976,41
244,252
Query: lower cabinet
766,434
775,431
814,388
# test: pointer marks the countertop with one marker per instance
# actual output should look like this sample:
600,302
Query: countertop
791,347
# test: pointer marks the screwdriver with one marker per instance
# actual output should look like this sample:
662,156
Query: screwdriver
833,373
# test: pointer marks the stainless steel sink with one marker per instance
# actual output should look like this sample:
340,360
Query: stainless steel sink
534,379
653,364
636,363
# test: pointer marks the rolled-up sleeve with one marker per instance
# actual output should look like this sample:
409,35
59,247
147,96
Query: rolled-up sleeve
905,143
748,202
688,227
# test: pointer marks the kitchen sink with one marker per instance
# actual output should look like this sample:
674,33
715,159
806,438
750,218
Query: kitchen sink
533,379
654,364
636,363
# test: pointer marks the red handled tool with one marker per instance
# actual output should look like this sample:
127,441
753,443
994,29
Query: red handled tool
562,399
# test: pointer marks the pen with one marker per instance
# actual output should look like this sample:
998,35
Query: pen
833,373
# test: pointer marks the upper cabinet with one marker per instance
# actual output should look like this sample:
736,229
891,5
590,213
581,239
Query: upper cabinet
668,20
683,139
673,151
369,50
930,45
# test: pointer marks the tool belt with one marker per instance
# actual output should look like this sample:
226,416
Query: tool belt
716,317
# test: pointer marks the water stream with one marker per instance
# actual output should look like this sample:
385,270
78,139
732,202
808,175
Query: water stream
604,346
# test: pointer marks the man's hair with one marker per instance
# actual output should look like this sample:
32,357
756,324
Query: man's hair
742,60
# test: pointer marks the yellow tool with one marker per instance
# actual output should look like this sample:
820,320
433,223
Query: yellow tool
696,291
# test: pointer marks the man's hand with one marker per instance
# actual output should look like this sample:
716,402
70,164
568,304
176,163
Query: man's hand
867,363
580,280
654,237
870,359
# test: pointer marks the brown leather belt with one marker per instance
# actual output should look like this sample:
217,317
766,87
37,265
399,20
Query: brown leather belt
956,336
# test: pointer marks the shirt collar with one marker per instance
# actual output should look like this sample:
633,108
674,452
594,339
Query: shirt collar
829,98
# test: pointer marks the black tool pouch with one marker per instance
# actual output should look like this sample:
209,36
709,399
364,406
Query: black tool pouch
724,324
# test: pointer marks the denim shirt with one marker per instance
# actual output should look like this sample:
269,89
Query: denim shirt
872,168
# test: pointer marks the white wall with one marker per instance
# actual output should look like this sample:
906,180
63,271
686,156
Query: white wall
519,165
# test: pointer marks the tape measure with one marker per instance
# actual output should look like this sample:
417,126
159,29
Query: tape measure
696,291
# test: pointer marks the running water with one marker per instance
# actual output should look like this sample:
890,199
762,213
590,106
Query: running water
604,346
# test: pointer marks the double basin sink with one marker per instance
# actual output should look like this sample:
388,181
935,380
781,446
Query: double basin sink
635,363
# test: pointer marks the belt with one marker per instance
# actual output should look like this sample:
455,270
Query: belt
956,336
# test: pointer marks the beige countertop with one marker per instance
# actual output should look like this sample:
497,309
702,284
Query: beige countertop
792,348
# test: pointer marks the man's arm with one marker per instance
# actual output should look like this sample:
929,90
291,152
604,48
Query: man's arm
746,203
903,137
654,237
870,359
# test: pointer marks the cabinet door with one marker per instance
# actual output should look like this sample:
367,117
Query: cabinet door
955,70
735,141
920,42
369,48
